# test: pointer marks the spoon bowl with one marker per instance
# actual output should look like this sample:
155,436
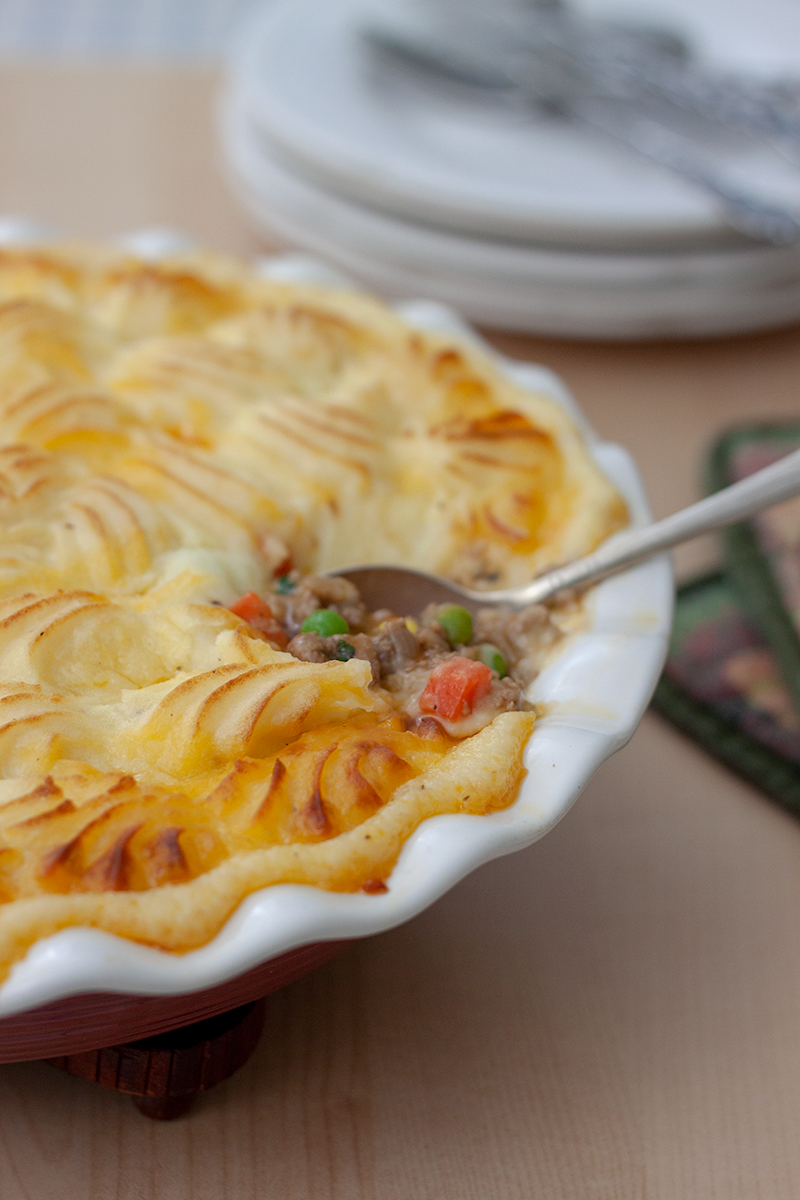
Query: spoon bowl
404,590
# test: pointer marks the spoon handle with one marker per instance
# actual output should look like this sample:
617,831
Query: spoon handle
779,481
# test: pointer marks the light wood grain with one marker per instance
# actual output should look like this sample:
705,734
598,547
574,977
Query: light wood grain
613,1014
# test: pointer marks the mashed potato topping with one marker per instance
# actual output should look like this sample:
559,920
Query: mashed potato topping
174,437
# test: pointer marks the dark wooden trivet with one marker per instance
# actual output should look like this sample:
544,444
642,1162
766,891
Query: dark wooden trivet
163,1074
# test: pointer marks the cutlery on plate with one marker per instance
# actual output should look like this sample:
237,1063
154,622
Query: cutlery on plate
633,60
563,85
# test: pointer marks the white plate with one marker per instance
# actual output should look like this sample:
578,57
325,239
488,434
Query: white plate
538,289
596,689
419,155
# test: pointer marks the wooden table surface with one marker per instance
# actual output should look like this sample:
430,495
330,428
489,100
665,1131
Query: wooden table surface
613,1014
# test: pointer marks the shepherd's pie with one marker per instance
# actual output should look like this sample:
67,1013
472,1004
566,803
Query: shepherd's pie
190,709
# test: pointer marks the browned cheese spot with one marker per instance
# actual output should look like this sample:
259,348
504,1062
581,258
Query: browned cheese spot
374,887
66,806
123,784
360,789
46,789
312,815
228,786
66,855
164,859
277,777
109,872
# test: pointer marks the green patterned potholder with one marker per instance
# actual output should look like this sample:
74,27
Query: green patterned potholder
723,687
732,678
762,555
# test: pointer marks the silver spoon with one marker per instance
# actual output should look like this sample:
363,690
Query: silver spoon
403,590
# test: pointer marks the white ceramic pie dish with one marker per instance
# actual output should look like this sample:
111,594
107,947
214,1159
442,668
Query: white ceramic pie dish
595,689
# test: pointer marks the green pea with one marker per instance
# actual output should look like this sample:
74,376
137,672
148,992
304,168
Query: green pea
344,650
456,623
491,657
284,585
325,622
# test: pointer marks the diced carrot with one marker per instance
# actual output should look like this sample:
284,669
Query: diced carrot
250,607
455,687
258,615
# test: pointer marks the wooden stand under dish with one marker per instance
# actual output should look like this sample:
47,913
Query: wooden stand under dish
164,1074
160,1050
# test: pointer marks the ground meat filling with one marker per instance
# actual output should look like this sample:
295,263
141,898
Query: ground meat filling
314,592
442,668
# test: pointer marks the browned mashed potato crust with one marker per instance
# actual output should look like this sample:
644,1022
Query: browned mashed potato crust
171,437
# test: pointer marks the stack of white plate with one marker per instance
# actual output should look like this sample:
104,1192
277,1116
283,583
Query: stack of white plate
520,223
